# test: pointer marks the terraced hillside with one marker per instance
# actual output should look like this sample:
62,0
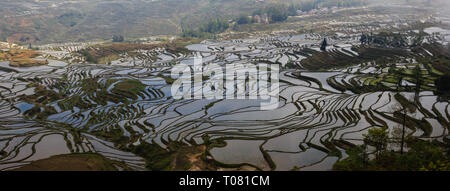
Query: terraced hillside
115,99
120,107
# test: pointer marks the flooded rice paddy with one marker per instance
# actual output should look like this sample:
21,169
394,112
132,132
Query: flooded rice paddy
301,132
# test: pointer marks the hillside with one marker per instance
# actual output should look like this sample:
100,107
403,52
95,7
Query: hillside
29,21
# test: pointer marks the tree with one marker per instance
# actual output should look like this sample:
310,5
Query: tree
399,83
209,29
399,133
370,38
117,38
324,45
215,26
292,9
307,5
418,75
443,84
363,39
277,13
378,138
243,20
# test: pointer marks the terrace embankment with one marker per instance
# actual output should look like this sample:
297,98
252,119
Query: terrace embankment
74,162
22,58
106,53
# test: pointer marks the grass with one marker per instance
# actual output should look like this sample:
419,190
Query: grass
106,53
329,60
128,88
375,81
13,54
27,62
177,157
405,102
22,58
168,79
74,162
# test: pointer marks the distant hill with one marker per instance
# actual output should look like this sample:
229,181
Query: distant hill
30,21
53,21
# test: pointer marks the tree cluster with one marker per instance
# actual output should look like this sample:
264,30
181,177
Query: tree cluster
214,26
443,84
385,39
118,38
421,155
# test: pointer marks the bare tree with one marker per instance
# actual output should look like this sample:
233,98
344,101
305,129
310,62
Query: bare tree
418,75
399,133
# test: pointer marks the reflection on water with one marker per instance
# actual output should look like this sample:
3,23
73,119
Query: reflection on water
97,97
24,106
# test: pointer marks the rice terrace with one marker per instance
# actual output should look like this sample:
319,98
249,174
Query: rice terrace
362,85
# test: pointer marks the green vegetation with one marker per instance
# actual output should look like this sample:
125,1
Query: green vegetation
443,84
157,158
74,162
176,157
309,5
118,38
106,53
422,71
41,98
387,39
21,58
27,62
214,26
323,46
378,138
405,102
115,136
70,19
129,88
111,103
243,19
277,13
168,79
421,155
335,59
101,19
